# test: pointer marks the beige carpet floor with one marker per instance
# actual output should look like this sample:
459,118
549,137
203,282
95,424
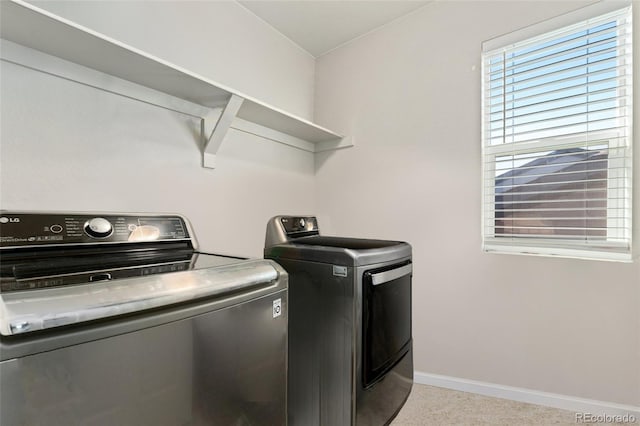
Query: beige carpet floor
428,405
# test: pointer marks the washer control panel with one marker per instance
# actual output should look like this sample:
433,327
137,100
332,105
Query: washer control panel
29,229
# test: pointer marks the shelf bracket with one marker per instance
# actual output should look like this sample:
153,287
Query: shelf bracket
211,143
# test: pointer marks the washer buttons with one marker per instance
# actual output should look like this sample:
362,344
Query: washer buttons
56,229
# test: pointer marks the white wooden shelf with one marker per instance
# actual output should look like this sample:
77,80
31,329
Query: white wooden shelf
29,26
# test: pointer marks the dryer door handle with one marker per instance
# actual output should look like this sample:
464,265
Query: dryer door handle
386,276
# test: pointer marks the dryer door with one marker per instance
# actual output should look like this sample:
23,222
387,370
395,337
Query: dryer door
386,319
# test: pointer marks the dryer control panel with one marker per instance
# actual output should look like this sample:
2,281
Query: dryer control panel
296,224
282,229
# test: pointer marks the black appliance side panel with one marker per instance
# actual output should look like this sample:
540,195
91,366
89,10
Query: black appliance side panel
221,367
321,344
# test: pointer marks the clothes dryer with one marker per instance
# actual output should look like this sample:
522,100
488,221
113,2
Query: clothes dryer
350,342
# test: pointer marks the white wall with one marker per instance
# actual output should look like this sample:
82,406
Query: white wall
69,147
410,95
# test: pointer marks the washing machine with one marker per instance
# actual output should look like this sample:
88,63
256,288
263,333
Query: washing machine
119,319
350,340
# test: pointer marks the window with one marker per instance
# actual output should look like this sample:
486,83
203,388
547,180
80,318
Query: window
557,137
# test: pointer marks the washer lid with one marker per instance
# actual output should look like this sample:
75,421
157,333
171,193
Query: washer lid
340,250
27,311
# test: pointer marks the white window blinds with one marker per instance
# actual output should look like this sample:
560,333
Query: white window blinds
557,141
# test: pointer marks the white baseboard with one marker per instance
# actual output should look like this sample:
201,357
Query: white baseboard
565,402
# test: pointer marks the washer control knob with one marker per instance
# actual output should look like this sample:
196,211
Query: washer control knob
301,222
98,227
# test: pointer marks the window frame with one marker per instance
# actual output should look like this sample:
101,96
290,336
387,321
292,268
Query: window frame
607,250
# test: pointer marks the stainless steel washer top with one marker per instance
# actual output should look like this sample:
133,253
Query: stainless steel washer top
69,268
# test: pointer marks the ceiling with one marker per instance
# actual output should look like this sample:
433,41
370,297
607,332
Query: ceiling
319,26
